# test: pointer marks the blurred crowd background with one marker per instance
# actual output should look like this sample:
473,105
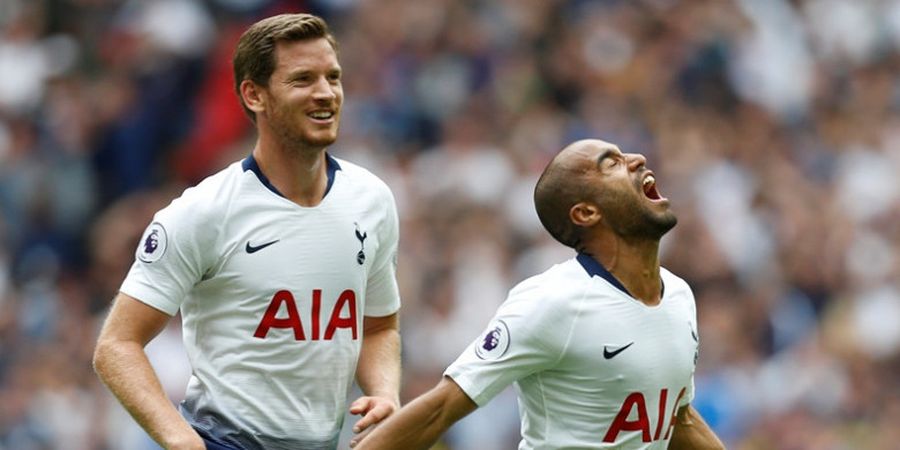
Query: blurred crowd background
772,125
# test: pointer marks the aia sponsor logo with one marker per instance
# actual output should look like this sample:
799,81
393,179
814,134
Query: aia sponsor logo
635,405
342,316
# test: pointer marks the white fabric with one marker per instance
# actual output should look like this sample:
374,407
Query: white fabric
260,386
549,338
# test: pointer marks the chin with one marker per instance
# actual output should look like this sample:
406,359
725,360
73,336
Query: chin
657,225
668,223
319,140
664,223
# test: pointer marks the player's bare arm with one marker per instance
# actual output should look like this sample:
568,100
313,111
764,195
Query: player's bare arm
122,365
378,371
692,432
420,423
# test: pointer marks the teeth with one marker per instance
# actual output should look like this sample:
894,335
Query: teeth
321,115
649,180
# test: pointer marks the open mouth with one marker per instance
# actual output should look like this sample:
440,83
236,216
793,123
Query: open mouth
649,188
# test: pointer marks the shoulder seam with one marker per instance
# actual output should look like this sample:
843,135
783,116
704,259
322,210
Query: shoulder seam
571,331
219,222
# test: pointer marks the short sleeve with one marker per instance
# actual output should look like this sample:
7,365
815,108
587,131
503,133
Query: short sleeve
382,292
525,336
170,258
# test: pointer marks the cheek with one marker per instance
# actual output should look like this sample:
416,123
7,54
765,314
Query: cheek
617,195
277,103
621,203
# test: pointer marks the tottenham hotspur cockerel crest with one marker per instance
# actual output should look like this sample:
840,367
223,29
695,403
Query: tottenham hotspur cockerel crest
361,256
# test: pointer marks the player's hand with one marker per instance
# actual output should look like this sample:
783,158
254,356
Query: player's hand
373,410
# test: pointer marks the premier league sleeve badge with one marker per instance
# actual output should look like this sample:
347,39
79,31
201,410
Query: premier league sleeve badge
494,342
153,243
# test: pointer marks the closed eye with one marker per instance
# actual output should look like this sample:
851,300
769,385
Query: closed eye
609,159
301,79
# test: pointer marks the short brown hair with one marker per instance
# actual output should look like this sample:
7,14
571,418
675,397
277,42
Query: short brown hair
254,58
559,189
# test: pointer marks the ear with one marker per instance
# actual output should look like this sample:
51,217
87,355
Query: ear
584,214
254,96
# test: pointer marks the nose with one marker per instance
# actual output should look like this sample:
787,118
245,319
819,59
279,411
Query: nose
636,160
323,91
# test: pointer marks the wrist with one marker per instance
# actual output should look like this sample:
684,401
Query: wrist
393,398
187,440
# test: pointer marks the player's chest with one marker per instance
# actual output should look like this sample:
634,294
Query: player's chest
314,250
622,342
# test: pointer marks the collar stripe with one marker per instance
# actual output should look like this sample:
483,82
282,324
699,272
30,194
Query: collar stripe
331,168
592,267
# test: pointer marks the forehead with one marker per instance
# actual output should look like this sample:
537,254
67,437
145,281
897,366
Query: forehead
588,152
307,53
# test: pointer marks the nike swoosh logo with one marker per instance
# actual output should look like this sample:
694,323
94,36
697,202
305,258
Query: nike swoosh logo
252,249
611,354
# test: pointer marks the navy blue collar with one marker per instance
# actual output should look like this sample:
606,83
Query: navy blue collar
592,267
331,167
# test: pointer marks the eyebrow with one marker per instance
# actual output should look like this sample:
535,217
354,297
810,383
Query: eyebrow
296,74
306,71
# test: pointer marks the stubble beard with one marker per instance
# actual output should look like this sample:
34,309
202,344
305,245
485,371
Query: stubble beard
293,137
633,220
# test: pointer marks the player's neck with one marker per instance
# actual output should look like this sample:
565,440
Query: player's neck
634,264
299,174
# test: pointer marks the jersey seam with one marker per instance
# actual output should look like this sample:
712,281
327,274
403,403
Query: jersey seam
388,226
216,265
547,428
562,353
381,228
229,207
571,331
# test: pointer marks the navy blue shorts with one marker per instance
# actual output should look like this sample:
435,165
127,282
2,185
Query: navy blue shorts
214,446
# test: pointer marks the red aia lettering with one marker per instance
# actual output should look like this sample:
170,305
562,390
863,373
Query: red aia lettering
621,422
316,307
348,297
270,321
663,394
642,423
674,411
292,321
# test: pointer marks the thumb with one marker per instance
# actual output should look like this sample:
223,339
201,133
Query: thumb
360,405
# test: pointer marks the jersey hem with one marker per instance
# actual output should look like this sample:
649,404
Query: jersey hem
460,380
149,297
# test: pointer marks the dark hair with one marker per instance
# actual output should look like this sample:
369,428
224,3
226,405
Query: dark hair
254,58
556,192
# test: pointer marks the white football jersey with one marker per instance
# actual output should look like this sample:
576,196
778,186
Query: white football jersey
272,297
594,368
